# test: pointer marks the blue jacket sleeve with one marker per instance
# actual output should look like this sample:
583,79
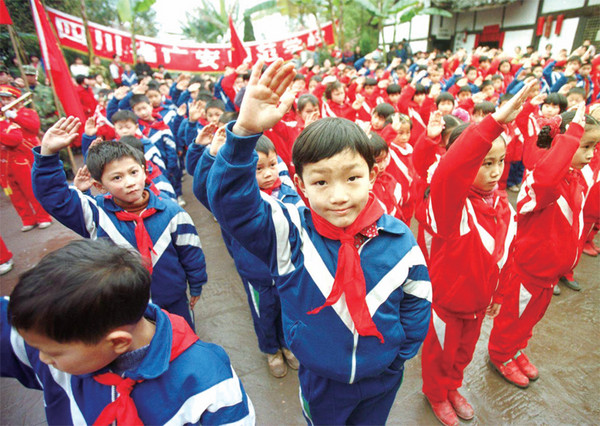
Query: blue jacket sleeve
86,141
451,81
516,86
558,84
191,131
193,155
547,72
112,107
174,93
189,251
70,207
14,352
202,162
124,103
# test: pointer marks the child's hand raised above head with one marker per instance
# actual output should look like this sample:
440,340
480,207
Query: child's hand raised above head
60,135
263,105
90,128
205,135
218,141
435,125
196,111
509,110
579,117
538,99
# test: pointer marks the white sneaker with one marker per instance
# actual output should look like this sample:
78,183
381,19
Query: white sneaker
26,228
44,225
6,267
181,201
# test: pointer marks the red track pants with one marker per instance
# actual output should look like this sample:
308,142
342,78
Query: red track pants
21,195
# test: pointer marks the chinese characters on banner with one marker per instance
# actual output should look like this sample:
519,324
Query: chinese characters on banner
183,57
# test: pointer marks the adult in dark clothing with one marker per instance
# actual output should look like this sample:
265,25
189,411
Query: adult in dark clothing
142,69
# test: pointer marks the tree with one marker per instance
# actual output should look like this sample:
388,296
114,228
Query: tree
207,24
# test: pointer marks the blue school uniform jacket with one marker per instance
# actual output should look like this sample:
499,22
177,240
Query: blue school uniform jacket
177,257
197,387
304,264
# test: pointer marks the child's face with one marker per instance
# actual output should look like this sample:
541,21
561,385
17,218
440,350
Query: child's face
337,187
472,75
155,98
369,90
298,85
538,72
213,115
338,95
143,110
550,110
125,179
497,84
435,76
574,99
377,121
401,73
266,170
125,128
584,154
127,67
504,68
403,134
394,98
585,70
72,357
488,91
312,85
492,167
446,107
419,98
463,96
477,117
382,161
308,110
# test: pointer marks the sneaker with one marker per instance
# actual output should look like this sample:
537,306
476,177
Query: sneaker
556,290
277,366
181,201
6,267
290,358
444,412
589,249
526,366
44,225
26,228
572,284
461,406
514,188
511,373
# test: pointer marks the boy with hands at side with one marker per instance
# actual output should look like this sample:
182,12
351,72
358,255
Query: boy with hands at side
351,349
129,214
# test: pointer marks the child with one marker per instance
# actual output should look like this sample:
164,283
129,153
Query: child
129,214
553,105
128,77
547,243
78,326
481,110
18,134
263,298
381,118
445,103
336,105
386,188
472,226
352,352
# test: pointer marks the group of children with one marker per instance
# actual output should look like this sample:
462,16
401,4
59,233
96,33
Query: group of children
337,286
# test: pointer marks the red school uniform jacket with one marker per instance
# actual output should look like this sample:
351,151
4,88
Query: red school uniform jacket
471,234
550,212
419,114
401,168
17,137
388,192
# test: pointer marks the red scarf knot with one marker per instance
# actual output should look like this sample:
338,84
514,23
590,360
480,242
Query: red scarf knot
142,238
275,186
349,277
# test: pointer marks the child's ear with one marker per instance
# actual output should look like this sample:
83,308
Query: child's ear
373,175
300,184
100,187
119,340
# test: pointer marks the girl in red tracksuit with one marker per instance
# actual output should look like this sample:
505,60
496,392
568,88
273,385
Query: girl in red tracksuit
472,225
336,104
547,244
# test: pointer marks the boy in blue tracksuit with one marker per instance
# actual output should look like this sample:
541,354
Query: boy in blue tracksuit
129,214
354,289
263,297
78,326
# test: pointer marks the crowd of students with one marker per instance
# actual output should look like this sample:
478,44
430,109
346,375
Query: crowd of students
313,173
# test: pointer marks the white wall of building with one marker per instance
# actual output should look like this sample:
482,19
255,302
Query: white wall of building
564,40
465,22
419,27
460,43
550,6
512,39
593,2
488,17
521,13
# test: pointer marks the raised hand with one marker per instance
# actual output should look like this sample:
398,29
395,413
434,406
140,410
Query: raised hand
196,111
60,135
90,128
538,99
182,109
435,125
205,135
83,179
579,117
218,141
357,104
509,110
121,92
263,105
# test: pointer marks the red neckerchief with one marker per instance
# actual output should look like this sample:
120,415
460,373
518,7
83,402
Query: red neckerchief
157,124
492,204
142,238
152,172
384,188
123,409
349,276
157,110
275,186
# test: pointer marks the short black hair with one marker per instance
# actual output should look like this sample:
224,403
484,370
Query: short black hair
327,137
138,99
124,115
334,85
505,97
444,96
456,132
420,89
485,83
265,145
378,145
394,89
306,99
204,95
80,78
574,58
370,82
133,142
544,139
106,152
450,123
385,110
81,292
577,91
465,88
555,98
215,103
485,107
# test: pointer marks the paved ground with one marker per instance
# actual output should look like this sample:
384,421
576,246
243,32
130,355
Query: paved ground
565,346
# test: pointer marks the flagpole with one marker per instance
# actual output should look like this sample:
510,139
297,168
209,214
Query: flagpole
88,36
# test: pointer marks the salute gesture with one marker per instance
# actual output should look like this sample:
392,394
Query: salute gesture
263,105
60,135
509,111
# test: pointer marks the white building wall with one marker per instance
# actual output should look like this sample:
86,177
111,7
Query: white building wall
465,22
522,13
460,43
512,39
419,27
564,40
488,17
550,6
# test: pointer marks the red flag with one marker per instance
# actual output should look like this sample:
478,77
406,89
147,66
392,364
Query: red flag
4,15
55,64
238,53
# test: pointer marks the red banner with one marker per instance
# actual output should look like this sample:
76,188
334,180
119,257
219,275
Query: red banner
181,57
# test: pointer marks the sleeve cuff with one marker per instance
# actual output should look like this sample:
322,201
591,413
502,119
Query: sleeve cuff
44,160
238,149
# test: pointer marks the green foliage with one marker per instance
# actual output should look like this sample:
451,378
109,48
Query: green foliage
205,23
248,28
